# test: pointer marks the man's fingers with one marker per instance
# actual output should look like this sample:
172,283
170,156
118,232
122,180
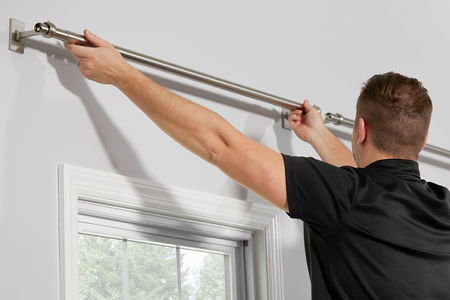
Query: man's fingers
95,40
296,112
78,51
294,118
295,115
307,106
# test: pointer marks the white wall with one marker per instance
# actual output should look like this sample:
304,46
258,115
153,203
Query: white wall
321,50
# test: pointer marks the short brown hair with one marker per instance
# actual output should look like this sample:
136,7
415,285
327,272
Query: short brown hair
397,110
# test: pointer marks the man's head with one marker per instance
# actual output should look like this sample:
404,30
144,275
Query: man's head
393,114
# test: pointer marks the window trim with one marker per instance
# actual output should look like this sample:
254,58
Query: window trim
209,214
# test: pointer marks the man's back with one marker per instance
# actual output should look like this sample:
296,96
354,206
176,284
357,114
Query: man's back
383,233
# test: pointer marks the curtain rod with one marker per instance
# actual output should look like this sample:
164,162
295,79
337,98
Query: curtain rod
47,29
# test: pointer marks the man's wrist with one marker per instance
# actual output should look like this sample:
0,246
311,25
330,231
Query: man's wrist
126,76
320,138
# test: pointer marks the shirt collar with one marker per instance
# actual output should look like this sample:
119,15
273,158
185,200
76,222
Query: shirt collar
404,168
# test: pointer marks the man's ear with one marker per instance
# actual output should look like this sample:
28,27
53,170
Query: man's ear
361,131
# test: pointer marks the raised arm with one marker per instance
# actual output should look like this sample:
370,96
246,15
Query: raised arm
308,125
197,128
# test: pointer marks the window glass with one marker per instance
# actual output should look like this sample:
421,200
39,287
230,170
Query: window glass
202,275
100,268
152,271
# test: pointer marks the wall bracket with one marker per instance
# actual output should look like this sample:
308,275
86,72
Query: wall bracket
15,43
17,33
285,113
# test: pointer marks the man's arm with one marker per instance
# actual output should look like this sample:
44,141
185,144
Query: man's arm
308,125
198,129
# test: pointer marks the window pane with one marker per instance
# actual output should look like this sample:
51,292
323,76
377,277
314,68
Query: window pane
100,268
152,271
202,275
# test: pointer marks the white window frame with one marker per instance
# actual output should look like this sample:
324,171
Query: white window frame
116,197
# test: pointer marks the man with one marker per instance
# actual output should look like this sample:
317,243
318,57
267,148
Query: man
375,231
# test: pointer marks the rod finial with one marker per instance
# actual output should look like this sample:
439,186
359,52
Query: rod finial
46,29
336,119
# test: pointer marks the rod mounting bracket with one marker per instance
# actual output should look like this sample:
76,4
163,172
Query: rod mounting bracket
15,44
285,113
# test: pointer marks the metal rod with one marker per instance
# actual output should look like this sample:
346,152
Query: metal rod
338,119
49,30
437,150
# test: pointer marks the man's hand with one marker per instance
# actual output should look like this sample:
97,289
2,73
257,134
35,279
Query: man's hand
307,123
101,62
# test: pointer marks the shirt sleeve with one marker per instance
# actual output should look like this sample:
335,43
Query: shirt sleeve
319,193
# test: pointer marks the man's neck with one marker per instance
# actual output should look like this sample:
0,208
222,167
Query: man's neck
372,154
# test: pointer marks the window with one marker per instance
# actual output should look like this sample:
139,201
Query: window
112,268
125,238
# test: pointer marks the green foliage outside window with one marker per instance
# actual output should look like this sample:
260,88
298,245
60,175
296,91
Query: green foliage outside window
152,271
100,268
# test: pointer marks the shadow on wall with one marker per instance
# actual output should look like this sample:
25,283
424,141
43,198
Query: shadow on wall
434,162
341,134
26,209
121,154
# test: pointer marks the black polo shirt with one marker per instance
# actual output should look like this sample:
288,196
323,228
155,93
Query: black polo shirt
378,232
